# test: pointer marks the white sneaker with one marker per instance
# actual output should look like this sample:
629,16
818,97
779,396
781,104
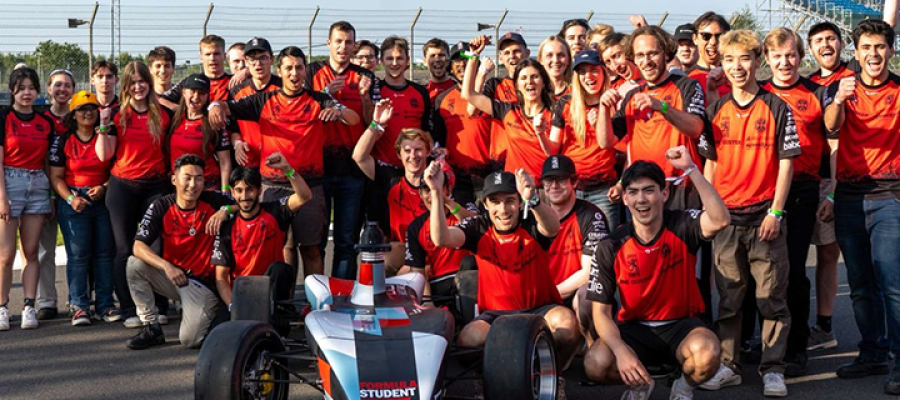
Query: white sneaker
4,319
642,392
29,318
773,385
724,377
162,319
133,322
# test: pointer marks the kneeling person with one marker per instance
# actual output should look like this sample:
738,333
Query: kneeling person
185,223
251,244
511,252
651,262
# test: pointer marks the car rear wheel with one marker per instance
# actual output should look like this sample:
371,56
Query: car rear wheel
520,359
236,363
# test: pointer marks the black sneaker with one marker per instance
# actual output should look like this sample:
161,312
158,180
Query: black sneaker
892,386
796,365
149,336
862,368
47,313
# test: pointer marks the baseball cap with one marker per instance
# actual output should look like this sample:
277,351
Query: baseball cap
458,49
83,98
558,166
684,32
197,82
257,44
511,36
590,57
500,182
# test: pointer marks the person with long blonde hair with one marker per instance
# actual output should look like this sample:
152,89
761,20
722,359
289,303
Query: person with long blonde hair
139,175
573,133
555,56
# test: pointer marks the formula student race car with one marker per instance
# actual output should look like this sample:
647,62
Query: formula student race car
368,339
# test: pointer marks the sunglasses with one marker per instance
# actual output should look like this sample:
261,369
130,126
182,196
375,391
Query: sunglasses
576,21
707,36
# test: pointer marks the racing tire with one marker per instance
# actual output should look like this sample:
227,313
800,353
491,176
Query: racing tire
233,356
251,299
467,296
519,359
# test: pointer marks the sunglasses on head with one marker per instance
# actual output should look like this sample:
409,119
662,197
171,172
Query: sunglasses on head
576,21
707,36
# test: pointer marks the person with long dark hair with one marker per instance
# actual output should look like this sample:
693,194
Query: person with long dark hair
79,177
24,190
136,139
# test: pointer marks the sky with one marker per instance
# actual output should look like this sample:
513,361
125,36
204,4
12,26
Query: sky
178,24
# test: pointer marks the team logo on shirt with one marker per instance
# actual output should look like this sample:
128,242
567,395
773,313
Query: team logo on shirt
761,125
802,105
889,99
414,102
725,126
632,266
40,128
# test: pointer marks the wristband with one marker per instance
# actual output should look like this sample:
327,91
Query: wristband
289,173
376,126
777,214
455,211
468,55
665,108
211,105
482,70
103,128
70,198
226,188
830,198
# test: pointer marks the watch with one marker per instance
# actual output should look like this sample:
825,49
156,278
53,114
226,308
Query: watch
534,201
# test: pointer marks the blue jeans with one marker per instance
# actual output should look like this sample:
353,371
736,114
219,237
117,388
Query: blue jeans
89,244
599,198
868,232
346,192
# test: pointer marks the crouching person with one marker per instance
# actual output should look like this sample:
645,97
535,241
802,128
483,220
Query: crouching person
651,262
185,223
251,244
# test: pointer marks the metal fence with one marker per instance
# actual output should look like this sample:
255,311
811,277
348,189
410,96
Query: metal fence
125,31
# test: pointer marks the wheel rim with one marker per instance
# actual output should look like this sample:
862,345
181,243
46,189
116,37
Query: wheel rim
259,366
543,369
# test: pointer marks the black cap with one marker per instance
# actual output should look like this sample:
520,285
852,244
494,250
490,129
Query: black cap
458,49
257,44
500,182
558,166
587,57
684,32
197,82
511,36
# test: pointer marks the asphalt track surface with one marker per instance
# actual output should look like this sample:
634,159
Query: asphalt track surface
59,361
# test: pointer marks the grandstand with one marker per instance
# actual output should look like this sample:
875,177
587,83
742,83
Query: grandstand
801,14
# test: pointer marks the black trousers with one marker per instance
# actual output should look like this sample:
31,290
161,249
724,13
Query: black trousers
127,200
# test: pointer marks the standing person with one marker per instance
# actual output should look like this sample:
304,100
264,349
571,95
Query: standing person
136,140
525,122
437,59
826,45
402,203
185,223
513,50
438,265
366,55
750,126
192,133
343,183
866,211
104,77
247,140
574,131
556,58
467,136
708,30
212,57
687,52
60,87
581,226
574,32
293,122
411,102
161,62
651,261
783,50
251,244
24,190
235,56
79,177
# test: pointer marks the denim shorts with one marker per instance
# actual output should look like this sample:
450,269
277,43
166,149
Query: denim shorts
28,191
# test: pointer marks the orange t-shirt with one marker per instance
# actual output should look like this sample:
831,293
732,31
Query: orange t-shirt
808,101
593,165
523,150
699,74
138,154
412,109
467,137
